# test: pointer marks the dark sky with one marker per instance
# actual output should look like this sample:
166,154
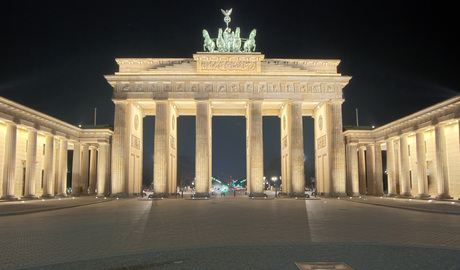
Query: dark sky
402,55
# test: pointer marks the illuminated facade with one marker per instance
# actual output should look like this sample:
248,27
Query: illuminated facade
211,84
421,153
34,149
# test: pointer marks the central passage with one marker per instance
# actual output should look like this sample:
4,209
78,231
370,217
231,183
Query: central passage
229,148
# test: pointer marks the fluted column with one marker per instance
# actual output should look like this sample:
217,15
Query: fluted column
378,178
338,151
62,172
203,139
256,149
48,177
362,170
84,177
391,168
297,153
92,171
404,176
9,162
120,146
76,170
103,169
421,165
353,170
31,165
160,159
441,163
370,169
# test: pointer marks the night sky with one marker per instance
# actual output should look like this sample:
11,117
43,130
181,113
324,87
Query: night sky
402,55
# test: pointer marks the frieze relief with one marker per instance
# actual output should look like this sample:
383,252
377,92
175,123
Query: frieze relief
218,65
321,142
248,87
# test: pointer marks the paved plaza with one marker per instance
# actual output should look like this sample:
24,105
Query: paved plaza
229,233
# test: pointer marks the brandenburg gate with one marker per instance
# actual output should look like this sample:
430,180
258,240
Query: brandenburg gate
228,78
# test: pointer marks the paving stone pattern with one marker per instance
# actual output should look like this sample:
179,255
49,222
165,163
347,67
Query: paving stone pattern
226,233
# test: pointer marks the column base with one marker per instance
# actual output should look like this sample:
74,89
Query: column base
296,194
444,197
47,196
392,195
405,195
62,195
118,195
9,198
201,195
29,197
423,196
257,194
339,194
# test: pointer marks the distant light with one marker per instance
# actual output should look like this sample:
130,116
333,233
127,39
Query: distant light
351,198
117,198
453,202
338,198
22,201
430,200
43,200
296,198
79,126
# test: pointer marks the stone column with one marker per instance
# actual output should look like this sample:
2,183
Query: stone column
84,177
338,151
48,177
421,165
353,170
103,169
160,159
370,169
62,176
76,170
362,170
391,168
9,162
92,171
256,149
404,176
31,165
441,163
297,165
378,178
203,139
120,146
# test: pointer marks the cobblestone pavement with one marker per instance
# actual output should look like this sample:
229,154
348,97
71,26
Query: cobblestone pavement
228,233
